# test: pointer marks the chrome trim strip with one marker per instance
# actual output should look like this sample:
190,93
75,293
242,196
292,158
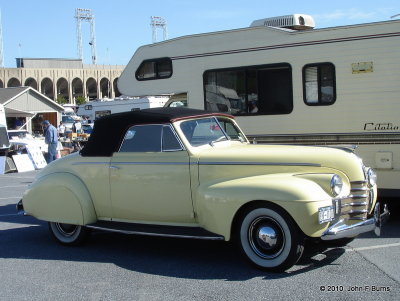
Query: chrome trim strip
156,234
202,163
357,219
329,139
359,196
176,136
261,163
354,204
370,133
362,211
150,163
358,183
90,163
362,189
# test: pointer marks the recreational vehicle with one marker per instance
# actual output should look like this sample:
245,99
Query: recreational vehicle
289,83
97,108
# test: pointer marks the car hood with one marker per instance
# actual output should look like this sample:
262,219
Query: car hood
281,155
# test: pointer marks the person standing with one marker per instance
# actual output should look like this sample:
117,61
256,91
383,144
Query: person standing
84,120
77,127
61,129
50,138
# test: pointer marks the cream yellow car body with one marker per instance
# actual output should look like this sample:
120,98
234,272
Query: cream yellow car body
212,186
223,179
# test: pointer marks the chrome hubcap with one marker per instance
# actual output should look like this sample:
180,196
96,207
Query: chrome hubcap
66,229
266,237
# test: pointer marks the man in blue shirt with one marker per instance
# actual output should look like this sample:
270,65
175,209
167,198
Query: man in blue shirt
50,138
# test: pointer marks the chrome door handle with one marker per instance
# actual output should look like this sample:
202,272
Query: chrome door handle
114,167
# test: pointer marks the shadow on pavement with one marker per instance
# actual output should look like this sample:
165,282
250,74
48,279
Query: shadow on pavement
181,258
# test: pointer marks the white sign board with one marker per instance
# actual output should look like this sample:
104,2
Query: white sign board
2,165
23,163
36,155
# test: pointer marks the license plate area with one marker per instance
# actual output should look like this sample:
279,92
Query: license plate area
326,214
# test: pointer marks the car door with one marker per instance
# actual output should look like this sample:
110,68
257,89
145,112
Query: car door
150,177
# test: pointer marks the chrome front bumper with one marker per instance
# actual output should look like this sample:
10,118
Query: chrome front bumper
341,230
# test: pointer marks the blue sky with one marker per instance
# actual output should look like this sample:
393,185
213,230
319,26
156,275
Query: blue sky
47,28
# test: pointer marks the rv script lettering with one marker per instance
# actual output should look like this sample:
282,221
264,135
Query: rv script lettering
384,126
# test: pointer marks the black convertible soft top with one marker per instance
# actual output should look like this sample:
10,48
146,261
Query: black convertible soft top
109,130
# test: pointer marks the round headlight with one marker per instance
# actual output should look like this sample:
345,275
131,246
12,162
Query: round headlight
371,177
336,185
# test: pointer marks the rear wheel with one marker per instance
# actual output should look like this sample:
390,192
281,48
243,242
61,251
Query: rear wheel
68,234
270,239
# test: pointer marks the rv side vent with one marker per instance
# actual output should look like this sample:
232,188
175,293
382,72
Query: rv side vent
296,21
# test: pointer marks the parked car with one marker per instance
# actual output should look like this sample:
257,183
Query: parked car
68,122
181,172
87,128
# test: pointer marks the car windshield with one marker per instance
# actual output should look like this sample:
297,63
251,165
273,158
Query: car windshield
67,119
210,130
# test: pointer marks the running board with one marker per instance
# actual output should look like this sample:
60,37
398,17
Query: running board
155,230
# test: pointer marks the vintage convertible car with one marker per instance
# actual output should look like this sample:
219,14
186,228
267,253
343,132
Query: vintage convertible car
181,172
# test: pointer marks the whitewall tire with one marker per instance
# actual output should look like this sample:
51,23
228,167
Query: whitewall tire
270,239
67,234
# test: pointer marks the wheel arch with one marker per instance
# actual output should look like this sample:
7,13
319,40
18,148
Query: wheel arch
60,197
240,213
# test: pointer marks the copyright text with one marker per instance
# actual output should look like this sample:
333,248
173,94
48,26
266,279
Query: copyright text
354,288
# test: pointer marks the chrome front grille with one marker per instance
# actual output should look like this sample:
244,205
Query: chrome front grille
357,205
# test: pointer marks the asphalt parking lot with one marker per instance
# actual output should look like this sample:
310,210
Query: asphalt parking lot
121,267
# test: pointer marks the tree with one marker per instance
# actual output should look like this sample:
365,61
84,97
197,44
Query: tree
80,100
61,100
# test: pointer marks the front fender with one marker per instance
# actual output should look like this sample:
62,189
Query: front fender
60,197
218,203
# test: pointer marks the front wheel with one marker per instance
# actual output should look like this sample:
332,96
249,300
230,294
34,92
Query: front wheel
68,234
270,239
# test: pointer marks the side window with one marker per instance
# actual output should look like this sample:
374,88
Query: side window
255,90
143,138
154,69
231,130
169,140
319,86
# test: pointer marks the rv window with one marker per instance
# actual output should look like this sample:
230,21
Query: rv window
255,90
99,114
319,84
154,69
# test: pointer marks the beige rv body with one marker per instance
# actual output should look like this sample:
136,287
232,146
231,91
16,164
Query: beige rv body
366,59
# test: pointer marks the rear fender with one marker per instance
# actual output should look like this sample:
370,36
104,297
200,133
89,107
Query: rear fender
60,197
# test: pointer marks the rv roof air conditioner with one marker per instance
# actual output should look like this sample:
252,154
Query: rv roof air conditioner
295,21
